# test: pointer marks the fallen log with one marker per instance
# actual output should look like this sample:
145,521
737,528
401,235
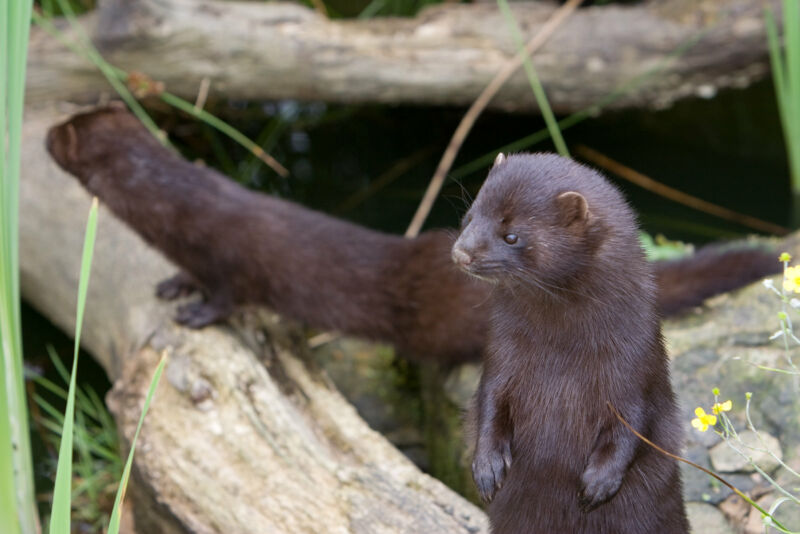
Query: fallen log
445,55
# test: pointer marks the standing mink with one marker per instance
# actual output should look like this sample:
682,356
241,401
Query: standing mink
573,327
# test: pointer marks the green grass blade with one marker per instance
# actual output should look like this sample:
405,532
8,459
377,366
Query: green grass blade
226,129
113,524
533,79
791,106
116,77
778,65
50,386
372,9
60,517
17,504
8,329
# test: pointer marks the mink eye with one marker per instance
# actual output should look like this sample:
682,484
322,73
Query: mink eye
510,238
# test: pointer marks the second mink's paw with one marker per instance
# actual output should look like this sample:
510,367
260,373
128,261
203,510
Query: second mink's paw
200,314
489,468
179,285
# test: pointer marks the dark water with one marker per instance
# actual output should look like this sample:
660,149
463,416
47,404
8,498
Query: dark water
727,150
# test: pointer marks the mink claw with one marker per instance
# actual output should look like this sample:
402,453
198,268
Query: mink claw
597,490
200,314
489,469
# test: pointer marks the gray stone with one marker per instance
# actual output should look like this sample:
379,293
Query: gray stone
707,519
701,487
461,384
726,460
788,513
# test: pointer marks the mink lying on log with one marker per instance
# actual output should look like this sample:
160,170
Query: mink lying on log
240,247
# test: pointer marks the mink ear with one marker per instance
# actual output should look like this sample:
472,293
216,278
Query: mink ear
499,159
62,143
71,149
572,208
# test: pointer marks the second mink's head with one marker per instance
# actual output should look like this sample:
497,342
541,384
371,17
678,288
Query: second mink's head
539,220
88,144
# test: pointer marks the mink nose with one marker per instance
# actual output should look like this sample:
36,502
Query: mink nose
461,257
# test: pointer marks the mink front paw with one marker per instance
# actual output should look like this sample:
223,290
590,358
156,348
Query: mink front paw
489,468
176,286
600,483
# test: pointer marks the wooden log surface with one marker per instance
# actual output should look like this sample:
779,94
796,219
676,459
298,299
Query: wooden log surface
445,55
243,435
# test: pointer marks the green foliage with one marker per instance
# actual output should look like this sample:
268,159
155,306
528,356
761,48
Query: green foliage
74,429
98,466
660,248
113,525
17,507
786,76
533,79
62,491
51,8
395,8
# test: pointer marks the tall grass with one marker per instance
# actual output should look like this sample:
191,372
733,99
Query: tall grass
17,505
62,491
97,464
118,78
533,80
786,76
17,502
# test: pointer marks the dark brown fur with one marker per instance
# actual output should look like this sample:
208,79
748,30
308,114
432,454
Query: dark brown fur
573,326
242,247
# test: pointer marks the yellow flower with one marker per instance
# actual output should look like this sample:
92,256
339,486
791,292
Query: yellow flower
722,407
785,257
791,279
703,420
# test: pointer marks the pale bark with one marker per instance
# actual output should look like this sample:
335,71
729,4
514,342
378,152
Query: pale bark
445,55
242,435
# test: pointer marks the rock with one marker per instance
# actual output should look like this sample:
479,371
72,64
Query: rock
461,384
699,486
787,513
706,519
735,509
725,459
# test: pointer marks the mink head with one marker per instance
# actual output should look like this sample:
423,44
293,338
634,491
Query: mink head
537,221
80,145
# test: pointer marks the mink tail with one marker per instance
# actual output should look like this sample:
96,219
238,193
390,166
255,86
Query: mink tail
714,269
